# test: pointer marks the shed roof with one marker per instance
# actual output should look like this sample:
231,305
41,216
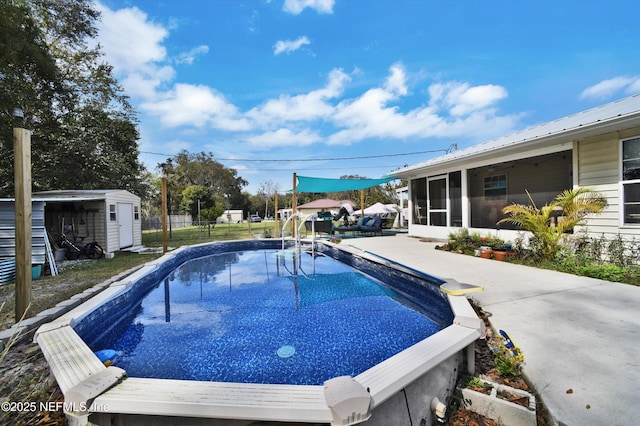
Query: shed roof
77,194
607,117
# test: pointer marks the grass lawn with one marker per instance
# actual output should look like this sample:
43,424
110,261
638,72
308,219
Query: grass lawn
202,234
24,373
77,276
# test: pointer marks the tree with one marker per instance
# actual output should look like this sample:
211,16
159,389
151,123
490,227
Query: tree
84,133
554,220
196,198
266,191
256,205
375,194
151,204
201,169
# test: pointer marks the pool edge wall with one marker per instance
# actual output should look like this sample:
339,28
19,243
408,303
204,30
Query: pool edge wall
407,379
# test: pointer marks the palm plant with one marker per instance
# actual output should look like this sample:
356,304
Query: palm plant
550,223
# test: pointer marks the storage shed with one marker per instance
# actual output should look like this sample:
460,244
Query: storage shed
231,216
109,216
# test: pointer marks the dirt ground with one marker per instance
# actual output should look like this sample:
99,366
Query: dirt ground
26,385
28,393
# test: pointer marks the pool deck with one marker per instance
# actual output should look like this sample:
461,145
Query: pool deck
580,336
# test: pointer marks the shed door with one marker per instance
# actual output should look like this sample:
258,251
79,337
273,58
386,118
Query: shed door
125,215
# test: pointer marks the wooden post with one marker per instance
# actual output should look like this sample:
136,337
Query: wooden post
164,215
22,180
294,208
362,202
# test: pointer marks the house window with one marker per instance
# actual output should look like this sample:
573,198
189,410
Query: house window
631,181
112,212
495,187
136,212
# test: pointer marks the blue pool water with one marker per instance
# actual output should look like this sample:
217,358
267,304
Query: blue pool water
264,316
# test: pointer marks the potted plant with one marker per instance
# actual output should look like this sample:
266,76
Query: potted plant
500,252
486,252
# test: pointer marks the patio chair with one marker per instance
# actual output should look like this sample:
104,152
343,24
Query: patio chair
372,226
342,229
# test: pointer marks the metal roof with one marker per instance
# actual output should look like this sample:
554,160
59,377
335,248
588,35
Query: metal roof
593,121
73,195
70,195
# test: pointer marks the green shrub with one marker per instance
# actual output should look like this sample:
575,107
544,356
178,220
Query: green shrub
605,271
548,232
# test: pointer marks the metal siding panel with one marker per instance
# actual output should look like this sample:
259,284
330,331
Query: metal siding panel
7,231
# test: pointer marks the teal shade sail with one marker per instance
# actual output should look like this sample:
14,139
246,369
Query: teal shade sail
313,184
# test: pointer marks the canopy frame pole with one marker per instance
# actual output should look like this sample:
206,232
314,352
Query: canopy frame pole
294,207
276,221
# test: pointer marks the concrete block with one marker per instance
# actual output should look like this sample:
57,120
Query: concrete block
501,410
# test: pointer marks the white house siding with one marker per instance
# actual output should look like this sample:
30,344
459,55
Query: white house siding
100,227
599,168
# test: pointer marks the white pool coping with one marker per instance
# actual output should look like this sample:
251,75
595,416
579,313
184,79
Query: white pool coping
72,363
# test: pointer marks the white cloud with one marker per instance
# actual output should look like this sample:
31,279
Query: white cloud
284,137
190,56
397,81
129,40
288,46
634,87
145,85
135,46
296,7
455,109
461,99
309,106
196,105
174,145
608,88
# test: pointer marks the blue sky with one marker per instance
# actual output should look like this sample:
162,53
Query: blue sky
303,84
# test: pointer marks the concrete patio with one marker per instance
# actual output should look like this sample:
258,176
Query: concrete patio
577,334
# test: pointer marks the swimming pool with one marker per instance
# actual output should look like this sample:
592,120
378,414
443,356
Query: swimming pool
421,369
265,316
